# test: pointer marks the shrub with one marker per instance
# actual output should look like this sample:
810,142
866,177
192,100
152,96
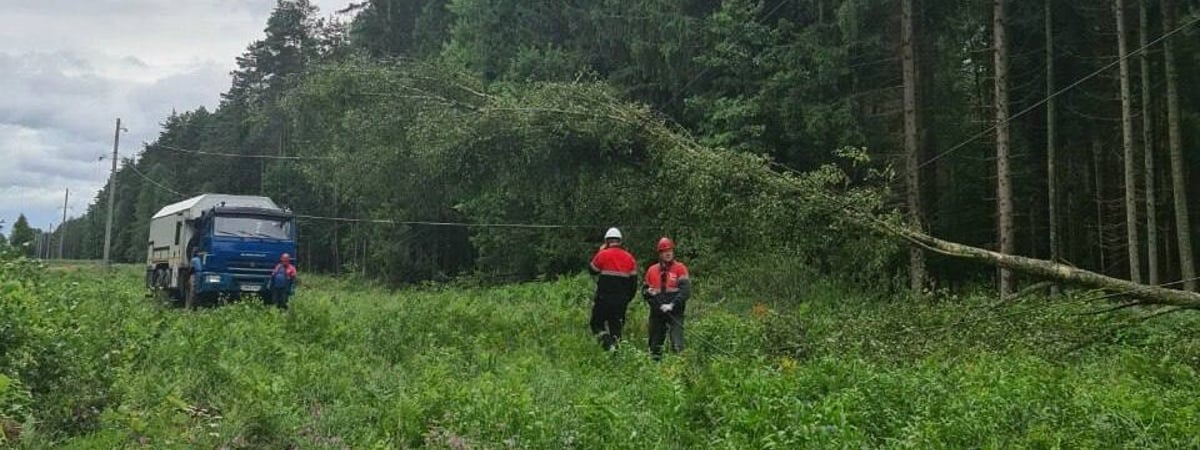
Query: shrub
513,366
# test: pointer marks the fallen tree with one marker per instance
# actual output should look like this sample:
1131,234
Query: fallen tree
1146,294
816,184
822,193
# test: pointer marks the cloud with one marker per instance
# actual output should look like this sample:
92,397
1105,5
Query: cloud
36,166
57,119
71,67
99,9
45,201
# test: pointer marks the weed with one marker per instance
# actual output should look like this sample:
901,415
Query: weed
88,362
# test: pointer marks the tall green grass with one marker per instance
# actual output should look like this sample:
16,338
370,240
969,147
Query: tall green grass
101,366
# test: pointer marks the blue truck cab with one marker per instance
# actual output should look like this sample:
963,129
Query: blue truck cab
236,239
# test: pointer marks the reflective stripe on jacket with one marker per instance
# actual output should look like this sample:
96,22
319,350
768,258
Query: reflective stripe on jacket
618,274
671,285
676,272
614,261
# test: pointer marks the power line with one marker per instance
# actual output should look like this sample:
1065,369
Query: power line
707,342
845,206
535,226
238,155
432,223
155,183
441,224
1043,101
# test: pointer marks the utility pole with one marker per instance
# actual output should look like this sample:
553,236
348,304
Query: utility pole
62,229
112,194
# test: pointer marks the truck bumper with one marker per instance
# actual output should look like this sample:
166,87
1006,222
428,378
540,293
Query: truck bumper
213,282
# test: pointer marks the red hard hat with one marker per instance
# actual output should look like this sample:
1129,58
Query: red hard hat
665,244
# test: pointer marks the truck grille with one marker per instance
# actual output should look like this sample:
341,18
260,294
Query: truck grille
250,271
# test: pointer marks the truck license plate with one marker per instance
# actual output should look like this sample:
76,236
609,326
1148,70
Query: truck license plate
251,288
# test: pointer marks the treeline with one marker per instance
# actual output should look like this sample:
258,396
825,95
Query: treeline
553,112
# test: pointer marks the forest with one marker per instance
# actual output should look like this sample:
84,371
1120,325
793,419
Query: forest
452,165
1067,133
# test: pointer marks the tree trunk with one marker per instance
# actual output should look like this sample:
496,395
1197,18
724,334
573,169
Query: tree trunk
337,241
1098,179
912,147
1165,183
926,50
1048,269
1148,150
1133,247
1051,150
1004,200
1183,228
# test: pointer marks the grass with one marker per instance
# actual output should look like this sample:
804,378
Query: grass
513,367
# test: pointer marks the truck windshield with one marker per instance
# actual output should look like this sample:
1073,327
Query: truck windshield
255,227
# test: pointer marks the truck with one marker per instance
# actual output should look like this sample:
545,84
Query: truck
238,239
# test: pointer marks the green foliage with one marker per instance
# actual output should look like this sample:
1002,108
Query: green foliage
23,236
683,118
101,366
594,112
552,153
385,28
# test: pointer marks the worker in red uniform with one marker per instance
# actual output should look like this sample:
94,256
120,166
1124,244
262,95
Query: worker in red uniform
667,289
614,290
282,283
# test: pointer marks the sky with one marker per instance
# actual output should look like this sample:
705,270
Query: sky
69,68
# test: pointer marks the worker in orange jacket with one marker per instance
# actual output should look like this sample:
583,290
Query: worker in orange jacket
614,290
667,290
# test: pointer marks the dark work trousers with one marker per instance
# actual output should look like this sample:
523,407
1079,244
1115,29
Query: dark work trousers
661,324
608,319
279,297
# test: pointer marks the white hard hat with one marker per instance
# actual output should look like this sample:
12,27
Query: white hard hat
612,233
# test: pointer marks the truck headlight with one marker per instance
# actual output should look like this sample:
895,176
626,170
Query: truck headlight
212,279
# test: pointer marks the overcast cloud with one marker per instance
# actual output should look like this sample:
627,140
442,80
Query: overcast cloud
69,68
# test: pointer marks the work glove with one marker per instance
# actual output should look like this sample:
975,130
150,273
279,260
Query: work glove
667,307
